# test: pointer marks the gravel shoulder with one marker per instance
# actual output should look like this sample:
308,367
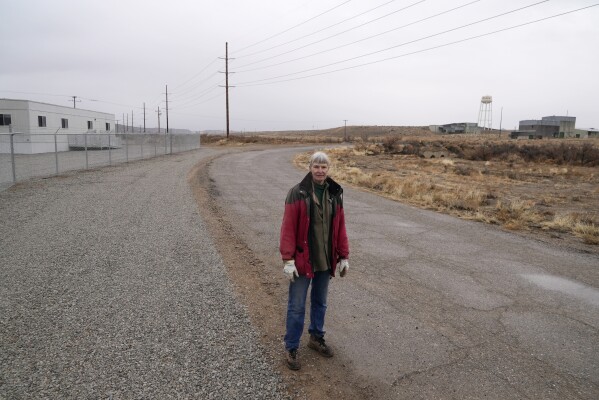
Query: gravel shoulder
112,288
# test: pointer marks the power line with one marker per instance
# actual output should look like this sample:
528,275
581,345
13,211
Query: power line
202,102
188,95
193,77
203,93
186,103
191,91
401,44
246,84
295,26
197,115
109,102
70,98
36,93
321,30
349,44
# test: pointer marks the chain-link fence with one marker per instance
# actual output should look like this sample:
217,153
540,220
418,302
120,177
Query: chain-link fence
24,156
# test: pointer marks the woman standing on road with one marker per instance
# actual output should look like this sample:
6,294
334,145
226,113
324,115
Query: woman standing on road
313,245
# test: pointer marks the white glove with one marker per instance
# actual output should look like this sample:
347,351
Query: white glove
343,267
290,271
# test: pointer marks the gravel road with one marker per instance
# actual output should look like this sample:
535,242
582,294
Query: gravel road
138,146
433,307
112,289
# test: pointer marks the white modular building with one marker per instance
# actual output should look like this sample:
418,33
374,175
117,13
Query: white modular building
41,127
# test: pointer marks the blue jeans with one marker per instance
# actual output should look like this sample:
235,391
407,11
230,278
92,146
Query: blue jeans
296,307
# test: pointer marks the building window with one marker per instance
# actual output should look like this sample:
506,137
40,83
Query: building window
41,121
90,125
107,127
65,123
5,119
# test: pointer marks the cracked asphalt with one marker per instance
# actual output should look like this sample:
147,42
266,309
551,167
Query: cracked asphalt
435,307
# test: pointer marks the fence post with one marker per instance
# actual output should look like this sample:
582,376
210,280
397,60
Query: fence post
109,151
56,152
171,143
126,147
156,145
142,147
86,160
12,158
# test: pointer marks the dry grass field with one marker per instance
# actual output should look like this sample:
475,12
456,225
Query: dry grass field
333,135
547,188
550,187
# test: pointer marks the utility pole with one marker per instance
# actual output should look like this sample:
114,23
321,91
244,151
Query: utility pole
124,122
500,120
345,131
159,114
227,82
127,122
144,117
167,109
132,126
116,128
74,97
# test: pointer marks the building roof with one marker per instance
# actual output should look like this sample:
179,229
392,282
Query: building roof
554,120
558,118
56,105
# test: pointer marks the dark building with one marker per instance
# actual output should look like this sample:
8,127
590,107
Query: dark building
457,127
547,127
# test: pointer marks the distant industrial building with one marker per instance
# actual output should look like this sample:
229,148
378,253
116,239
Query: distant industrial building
547,127
457,127
586,133
42,127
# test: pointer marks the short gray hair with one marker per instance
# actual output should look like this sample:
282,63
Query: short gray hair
320,158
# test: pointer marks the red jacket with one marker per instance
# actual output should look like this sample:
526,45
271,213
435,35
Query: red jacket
296,226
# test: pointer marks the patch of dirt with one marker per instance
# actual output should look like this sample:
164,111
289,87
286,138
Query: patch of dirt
266,298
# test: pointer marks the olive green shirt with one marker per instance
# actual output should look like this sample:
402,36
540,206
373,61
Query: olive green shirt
319,227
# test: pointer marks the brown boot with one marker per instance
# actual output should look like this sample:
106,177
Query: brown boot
292,360
320,346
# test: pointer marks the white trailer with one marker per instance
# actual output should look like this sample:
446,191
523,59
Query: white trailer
41,127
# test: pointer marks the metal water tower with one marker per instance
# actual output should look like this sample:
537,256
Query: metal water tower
485,113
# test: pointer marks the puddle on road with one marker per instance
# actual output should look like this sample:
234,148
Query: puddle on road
583,292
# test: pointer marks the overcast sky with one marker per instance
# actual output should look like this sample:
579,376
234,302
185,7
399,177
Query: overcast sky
305,64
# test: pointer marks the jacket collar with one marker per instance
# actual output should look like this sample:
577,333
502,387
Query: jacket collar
306,184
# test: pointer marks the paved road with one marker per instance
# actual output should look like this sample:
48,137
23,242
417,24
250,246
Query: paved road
111,288
437,307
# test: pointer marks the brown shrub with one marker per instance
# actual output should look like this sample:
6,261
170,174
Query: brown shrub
561,223
517,214
585,154
462,170
588,232
513,175
390,144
